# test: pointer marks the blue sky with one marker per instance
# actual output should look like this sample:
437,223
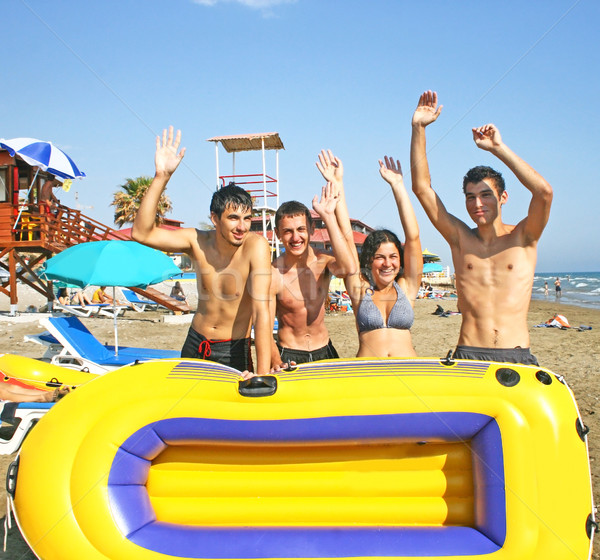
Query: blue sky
101,79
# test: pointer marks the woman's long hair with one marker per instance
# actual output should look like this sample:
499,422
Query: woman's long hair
370,247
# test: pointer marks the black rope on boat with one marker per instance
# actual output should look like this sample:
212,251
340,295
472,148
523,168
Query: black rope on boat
448,361
582,429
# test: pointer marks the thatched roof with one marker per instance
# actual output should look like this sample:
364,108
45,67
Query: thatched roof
249,142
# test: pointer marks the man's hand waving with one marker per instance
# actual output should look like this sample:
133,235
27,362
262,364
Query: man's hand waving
166,158
487,137
427,110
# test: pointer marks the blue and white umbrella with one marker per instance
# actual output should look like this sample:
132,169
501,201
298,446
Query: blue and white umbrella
44,155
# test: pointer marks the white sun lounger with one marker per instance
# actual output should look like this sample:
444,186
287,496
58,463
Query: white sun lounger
27,415
137,303
90,309
82,350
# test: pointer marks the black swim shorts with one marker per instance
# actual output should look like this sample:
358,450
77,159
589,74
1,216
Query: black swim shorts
232,353
511,355
328,352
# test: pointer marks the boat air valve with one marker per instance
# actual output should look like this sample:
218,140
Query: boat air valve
507,377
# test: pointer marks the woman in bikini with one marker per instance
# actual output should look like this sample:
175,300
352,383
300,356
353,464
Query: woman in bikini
384,292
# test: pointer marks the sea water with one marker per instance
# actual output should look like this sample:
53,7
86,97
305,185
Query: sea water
578,288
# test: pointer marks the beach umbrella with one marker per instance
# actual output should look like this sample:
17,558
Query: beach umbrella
428,256
432,267
43,155
110,263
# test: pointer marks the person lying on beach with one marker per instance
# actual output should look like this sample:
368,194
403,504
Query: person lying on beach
384,292
14,393
233,268
80,298
494,261
300,281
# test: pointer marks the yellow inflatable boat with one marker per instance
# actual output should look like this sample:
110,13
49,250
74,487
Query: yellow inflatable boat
419,458
35,374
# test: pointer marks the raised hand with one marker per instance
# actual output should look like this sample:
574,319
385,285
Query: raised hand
329,199
487,137
330,167
390,171
427,110
166,157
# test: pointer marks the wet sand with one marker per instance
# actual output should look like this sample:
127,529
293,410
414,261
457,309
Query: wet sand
574,354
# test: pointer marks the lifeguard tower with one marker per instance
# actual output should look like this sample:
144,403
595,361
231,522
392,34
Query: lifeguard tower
262,187
30,234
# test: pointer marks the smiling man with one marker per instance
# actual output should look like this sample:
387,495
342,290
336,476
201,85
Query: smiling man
300,282
232,266
494,262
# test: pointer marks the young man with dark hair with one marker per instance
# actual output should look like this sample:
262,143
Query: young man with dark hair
232,267
300,282
494,262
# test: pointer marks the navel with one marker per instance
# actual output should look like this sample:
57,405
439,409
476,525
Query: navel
510,267
470,266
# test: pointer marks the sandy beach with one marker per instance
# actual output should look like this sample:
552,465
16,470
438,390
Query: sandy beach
574,354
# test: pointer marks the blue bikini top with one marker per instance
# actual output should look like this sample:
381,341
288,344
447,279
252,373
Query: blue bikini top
368,317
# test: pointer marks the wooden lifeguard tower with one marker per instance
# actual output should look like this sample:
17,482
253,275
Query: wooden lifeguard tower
30,233
262,187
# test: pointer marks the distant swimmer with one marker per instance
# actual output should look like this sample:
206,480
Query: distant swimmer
557,287
494,261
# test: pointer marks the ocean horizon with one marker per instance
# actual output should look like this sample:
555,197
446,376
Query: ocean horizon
578,288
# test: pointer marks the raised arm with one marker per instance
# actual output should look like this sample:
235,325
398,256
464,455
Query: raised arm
427,112
144,229
259,289
332,170
345,261
488,138
413,256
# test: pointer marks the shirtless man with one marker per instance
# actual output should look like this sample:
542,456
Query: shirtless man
231,264
494,262
47,199
300,281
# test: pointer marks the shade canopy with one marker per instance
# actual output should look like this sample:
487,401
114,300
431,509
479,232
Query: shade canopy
432,267
39,153
249,142
428,256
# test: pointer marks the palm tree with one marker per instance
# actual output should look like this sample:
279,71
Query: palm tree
127,202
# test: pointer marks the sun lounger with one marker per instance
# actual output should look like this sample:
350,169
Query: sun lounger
25,416
51,345
90,309
137,303
81,349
